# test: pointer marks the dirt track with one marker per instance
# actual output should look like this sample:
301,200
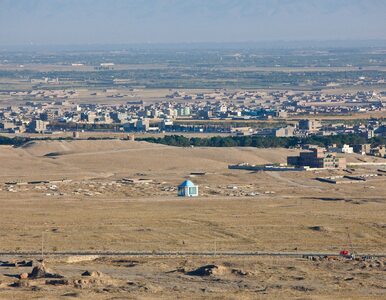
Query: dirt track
178,254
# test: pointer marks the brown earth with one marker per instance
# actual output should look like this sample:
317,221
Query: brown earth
94,209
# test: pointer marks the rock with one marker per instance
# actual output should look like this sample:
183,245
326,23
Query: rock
58,282
25,263
92,273
72,294
23,276
8,264
80,284
298,278
178,270
209,270
40,271
317,228
127,263
90,281
239,272
20,284
301,288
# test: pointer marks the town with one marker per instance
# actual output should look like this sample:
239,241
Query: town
49,111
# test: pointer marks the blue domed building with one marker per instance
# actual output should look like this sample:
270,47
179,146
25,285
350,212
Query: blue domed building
187,189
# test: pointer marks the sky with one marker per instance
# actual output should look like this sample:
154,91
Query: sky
60,22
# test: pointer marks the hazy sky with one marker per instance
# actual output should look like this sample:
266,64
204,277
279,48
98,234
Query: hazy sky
175,21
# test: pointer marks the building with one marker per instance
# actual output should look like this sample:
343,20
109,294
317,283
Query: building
166,124
379,151
47,116
187,189
317,158
362,149
347,149
281,114
381,131
89,117
143,125
309,125
37,126
287,131
344,149
7,126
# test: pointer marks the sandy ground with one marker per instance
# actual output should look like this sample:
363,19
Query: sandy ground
185,278
85,205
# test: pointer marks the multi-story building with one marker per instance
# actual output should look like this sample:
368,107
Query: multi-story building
37,126
362,149
317,158
379,151
309,125
143,125
287,131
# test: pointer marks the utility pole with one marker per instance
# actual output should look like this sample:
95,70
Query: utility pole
350,241
42,245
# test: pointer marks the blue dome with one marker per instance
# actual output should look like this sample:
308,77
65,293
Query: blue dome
187,183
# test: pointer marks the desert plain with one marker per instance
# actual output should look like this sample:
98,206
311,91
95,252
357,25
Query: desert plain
61,200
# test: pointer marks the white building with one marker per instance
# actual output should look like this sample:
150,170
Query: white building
187,189
347,149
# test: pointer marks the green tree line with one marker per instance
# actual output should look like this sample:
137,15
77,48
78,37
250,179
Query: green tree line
231,141
262,142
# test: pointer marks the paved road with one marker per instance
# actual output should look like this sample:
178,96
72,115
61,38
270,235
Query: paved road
182,253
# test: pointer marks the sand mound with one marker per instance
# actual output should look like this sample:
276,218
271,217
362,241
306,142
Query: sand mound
92,274
92,279
216,270
58,282
43,160
209,270
40,271
55,154
29,145
20,284
52,148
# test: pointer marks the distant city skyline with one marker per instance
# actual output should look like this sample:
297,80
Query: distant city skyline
80,22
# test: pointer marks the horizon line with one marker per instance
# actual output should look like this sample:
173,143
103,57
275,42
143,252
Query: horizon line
306,43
